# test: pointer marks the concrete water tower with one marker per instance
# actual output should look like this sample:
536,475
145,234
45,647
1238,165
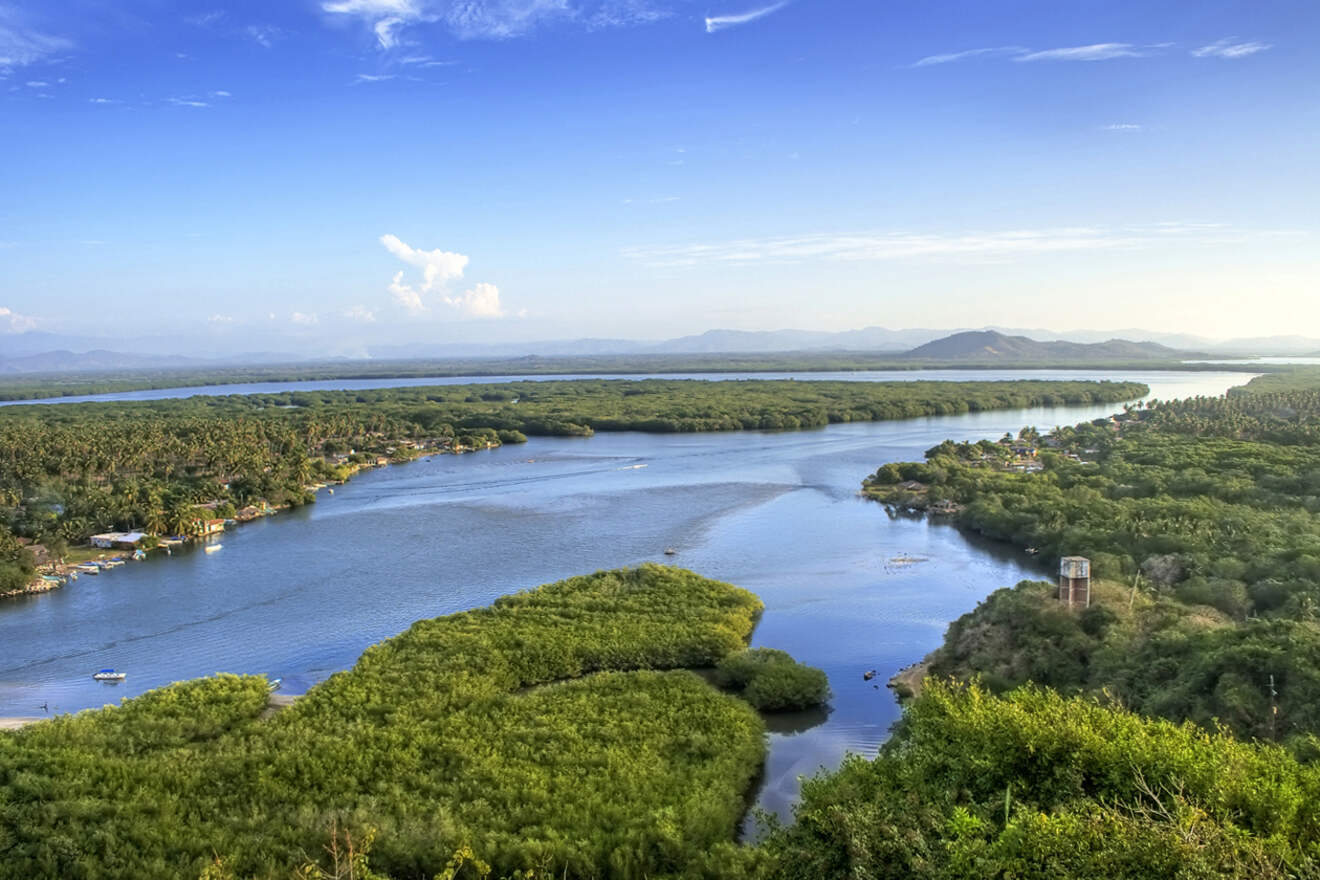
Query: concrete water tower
1075,581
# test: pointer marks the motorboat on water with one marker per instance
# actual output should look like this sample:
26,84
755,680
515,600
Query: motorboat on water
109,675
211,548
275,683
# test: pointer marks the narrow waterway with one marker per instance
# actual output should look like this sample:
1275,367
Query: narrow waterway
847,587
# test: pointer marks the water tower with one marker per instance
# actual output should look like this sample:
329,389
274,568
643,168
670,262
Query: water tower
1075,581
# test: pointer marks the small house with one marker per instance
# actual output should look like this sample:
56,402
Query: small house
117,540
205,527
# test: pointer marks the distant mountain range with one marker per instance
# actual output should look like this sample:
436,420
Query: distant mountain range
991,345
41,352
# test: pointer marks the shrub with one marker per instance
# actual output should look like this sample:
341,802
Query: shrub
771,680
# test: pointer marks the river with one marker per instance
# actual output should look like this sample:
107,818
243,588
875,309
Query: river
301,594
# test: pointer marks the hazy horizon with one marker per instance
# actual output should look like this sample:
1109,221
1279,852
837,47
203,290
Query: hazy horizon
337,175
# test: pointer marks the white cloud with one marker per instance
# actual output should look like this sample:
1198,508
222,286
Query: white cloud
1227,48
305,319
482,301
37,84
975,246
720,22
12,322
103,100
220,319
221,93
360,313
373,77
438,268
264,34
1093,52
205,19
949,57
1124,126
186,102
388,20
20,45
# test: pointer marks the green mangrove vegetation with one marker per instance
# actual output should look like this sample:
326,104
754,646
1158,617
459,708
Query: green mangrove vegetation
71,470
1036,785
772,680
1204,517
557,729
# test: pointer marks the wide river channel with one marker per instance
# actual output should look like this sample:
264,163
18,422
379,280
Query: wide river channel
299,595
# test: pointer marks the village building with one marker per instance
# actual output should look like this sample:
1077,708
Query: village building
205,527
118,540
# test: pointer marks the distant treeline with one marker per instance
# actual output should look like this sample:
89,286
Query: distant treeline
1206,511
35,386
71,470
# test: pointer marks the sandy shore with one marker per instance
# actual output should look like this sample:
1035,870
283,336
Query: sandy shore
17,722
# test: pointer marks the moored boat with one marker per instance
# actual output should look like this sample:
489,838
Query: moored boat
109,675
211,548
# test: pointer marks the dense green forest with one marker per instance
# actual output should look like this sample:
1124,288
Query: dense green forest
558,728
1205,511
71,470
1035,785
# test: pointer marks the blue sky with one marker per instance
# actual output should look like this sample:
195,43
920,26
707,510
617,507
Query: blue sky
339,173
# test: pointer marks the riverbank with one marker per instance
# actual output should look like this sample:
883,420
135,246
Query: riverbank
91,561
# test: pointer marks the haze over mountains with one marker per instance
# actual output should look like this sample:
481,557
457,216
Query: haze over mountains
41,352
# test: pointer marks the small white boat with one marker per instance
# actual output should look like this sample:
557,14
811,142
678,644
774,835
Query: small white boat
274,684
670,551
109,675
211,548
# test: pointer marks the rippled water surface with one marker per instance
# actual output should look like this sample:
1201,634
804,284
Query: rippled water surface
301,594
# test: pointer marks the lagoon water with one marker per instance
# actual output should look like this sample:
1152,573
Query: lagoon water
301,594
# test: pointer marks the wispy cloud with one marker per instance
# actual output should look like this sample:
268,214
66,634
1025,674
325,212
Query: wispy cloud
104,101
21,45
438,268
888,246
304,319
1124,126
205,19
186,102
720,22
264,34
1093,52
1230,48
360,313
949,57
220,319
373,77
388,21
220,93
12,322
